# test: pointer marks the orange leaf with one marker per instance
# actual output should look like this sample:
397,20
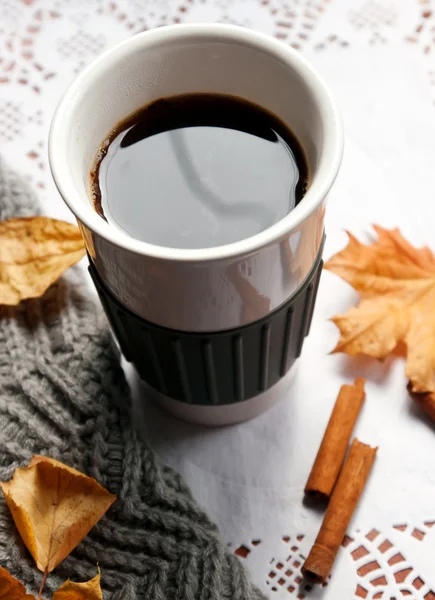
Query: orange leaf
54,507
11,589
34,252
91,590
397,286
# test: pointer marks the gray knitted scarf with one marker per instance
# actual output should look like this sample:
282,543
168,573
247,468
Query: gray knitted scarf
63,394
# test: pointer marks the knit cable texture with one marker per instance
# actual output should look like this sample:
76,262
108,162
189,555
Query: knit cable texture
63,394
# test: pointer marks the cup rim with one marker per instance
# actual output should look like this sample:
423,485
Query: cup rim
326,172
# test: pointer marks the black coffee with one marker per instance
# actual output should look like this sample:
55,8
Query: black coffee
198,170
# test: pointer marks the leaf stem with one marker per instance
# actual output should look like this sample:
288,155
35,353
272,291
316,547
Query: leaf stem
44,579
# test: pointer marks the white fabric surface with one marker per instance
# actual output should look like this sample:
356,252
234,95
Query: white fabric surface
251,476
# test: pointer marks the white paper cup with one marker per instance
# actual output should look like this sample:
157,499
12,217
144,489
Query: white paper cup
217,326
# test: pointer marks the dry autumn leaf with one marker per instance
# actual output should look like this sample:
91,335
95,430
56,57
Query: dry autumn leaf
91,590
11,589
397,286
34,252
54,507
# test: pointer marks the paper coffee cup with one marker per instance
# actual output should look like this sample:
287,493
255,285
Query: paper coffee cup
209,329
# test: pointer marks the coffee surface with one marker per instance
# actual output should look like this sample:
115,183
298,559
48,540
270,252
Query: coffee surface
198,171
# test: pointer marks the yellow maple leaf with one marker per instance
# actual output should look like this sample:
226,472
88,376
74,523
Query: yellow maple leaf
54,507
397,286
11,589
34,252
90,590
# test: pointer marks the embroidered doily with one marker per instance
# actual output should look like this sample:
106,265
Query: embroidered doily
379,58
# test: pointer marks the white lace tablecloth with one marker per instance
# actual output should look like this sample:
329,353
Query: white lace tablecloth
379,58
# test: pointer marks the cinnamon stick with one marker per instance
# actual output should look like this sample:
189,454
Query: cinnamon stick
341,507
335,441
425,400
